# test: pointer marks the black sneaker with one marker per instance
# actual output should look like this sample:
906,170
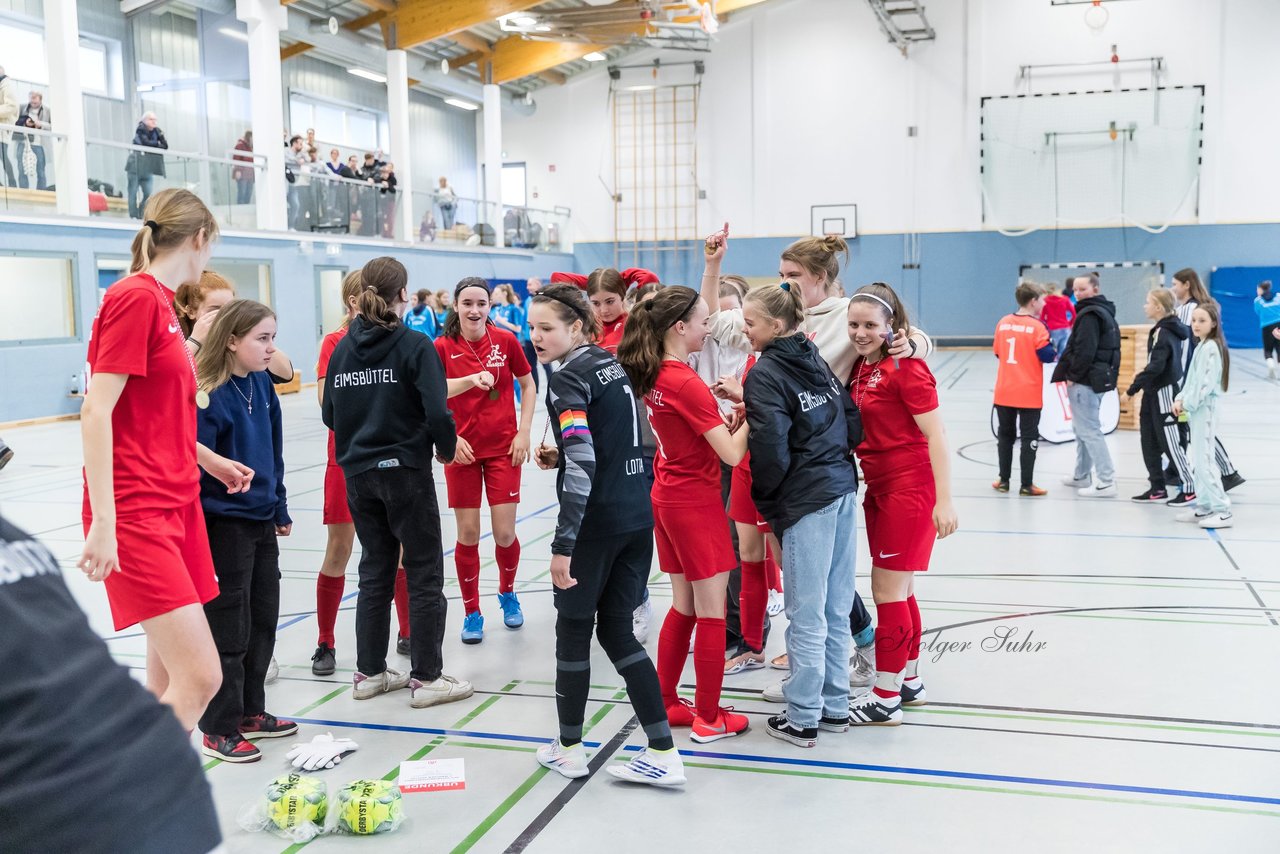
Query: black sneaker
1000,485
402,645
1231,481
230,748
324,661
834,723
779,727
870,709
1151,496
1184,499
912,692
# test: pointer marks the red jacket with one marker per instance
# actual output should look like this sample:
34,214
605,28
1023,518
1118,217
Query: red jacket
1058,312
237,173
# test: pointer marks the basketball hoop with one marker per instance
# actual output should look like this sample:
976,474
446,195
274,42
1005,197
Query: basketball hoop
1096,17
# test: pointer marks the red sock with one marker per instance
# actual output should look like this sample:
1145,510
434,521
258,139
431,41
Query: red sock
508,562
893,636
329,590
467,561
917,628
402,602
708,667
752,602
673,649
772,571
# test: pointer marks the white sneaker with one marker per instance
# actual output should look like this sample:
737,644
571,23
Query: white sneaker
1271,368
776,604
446,689
773,694
273,671
640,620
568,762
363,687
1193,515
862,667
1098,490
652,767
1072,480
1217,520
870,709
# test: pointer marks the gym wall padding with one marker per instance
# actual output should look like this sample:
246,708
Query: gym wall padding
1235,289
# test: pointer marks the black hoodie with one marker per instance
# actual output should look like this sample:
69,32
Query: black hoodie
1164,356
384,400
1092,356
803,431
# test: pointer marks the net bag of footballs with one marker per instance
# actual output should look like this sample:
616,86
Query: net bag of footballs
293,806
369,806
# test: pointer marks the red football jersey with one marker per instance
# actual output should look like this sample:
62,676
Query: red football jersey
611,333
154,423
1020,373
488,425
681,409
888,398
327,346
1057,312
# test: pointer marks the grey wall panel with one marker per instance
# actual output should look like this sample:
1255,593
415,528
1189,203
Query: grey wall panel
444,143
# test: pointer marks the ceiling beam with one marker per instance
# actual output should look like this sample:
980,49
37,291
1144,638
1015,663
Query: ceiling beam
381,5
422,21
555,78
514,57
471,42
723,8
367,20
467,58
294,49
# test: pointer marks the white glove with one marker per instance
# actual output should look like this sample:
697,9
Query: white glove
323,751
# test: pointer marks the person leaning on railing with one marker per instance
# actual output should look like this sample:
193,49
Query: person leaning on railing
8,115
143,166
244,175
34,115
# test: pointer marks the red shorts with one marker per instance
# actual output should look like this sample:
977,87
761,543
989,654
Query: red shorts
693,541
164,565
741,508
336,509
900,529
500,481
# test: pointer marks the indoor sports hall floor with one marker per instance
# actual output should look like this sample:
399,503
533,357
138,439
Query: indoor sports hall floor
1141,716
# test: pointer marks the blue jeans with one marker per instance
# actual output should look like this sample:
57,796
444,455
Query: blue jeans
1058,338
818,561
1091,446
139,182
23,181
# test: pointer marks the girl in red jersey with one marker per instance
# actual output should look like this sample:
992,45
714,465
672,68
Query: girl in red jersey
608,290
145,533
332,581
908,501
689,519
197,303
491,446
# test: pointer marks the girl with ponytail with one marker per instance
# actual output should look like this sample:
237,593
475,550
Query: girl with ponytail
689,519
145,535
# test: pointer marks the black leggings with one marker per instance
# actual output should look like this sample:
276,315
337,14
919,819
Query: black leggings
1270,346
1013,422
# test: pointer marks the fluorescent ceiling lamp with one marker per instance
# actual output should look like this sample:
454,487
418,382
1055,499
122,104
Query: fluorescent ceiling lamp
146,87
523,20
542,28
643,88
461,104
233,33
594,56
368,75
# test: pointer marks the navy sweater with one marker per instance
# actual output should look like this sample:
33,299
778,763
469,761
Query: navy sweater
255,440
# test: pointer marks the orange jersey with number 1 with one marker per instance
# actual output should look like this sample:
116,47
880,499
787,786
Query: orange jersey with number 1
1020,376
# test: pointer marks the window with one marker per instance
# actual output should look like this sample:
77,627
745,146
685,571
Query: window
37,292
335,124
513,185
26,60
94,76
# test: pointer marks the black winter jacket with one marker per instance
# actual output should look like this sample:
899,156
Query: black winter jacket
1164,356
384,400
1092,356
803,430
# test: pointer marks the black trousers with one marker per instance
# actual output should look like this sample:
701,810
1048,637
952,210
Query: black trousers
531,356
1012,422
242,618
392,509
1161,436
1270,346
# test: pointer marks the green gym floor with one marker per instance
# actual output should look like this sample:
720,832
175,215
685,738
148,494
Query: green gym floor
1100,676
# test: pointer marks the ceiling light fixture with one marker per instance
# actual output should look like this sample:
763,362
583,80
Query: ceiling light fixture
233,33
523,20
461,104
594,56
368,75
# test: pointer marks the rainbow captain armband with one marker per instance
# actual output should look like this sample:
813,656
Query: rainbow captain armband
573,422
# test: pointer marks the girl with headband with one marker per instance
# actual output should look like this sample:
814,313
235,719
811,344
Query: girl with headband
908,501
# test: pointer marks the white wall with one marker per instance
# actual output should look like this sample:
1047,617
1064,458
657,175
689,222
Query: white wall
805,103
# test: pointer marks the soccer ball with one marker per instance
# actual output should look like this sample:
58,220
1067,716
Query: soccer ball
369,806
295,800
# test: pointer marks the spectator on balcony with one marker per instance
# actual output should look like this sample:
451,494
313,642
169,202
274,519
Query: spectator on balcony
244,175
337,167
142,167
368,196
387,201
34,115
447,200
295,160
8,115
311,139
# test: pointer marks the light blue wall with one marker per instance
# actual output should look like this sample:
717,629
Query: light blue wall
966,279
35,379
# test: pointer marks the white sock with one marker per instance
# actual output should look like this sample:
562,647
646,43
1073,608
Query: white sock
890,683
913,669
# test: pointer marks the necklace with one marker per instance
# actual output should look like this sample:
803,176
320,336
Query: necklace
493,392
862,381
249,399
202,396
